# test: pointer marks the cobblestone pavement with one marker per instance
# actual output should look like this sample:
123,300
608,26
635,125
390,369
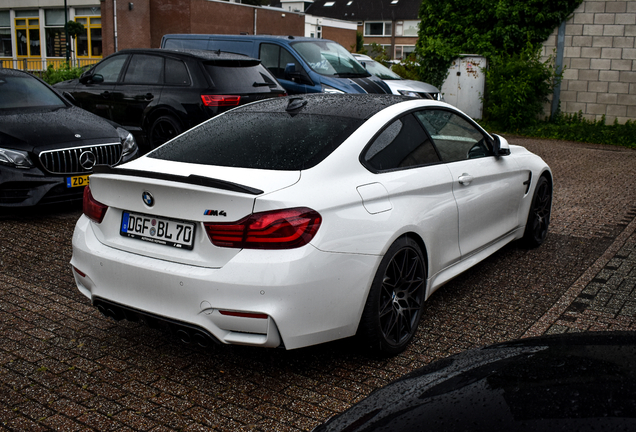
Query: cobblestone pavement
65,367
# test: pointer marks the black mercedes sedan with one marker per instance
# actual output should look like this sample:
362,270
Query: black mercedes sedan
48,147
572,382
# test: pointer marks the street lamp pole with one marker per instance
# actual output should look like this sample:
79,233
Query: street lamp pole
68,54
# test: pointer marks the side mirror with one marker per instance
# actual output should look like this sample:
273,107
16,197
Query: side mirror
364,64
91,79
500,146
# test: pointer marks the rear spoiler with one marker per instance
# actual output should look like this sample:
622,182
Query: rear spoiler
191,179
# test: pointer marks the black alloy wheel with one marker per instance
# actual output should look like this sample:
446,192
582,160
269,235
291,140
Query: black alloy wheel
163,129
539,214
394,305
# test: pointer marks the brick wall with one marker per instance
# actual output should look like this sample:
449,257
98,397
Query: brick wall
600,60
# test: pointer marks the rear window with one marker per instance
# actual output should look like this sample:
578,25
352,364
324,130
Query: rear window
271,141
234,78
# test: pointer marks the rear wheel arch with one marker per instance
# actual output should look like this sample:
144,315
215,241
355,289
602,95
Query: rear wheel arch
418,239
548,177
164,127
395,301
157,112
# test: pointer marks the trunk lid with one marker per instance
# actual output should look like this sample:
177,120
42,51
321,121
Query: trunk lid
181,195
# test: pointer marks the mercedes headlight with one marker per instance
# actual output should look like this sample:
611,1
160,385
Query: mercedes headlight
15,158
128,143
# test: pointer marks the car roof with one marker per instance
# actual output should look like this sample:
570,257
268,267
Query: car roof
289,38
197,53
361,106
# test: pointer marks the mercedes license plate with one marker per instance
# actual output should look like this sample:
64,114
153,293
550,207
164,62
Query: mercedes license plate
76,181
163,231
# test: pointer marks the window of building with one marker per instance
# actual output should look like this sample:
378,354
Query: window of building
5,34
403,51
55,37
407,28
411,28
377,28
27,33
371,52
89,44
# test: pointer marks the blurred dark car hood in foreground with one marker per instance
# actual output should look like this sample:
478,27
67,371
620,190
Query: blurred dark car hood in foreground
575,382
50,127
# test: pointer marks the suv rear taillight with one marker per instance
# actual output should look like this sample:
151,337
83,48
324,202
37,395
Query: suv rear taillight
92,208
220,100
279,229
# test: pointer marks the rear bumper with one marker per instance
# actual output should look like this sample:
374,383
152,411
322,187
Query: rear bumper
295,298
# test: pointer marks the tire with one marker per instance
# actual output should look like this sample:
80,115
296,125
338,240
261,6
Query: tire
394,306
163,129
539,214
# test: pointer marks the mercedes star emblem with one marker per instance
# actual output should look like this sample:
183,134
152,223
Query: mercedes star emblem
87,160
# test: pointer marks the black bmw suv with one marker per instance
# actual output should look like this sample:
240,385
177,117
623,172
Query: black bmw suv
159,93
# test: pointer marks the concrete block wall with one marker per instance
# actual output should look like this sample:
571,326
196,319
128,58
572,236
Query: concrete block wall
600,60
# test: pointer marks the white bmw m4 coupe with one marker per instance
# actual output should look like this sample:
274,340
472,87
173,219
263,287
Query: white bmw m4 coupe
300,220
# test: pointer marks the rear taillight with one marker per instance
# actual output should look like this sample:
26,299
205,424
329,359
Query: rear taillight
220,100
93,209
279,229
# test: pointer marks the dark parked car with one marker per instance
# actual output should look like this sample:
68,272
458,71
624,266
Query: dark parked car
158,93
48,147
573,382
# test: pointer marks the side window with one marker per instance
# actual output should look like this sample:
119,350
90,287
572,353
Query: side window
455,138
111,68
402,144
176,72
275,58
144,69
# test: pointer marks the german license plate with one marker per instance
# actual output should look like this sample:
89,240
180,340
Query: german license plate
76,181
163,231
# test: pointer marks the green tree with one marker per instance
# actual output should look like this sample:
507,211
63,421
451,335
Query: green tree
484,27
518,86
74,29
359,46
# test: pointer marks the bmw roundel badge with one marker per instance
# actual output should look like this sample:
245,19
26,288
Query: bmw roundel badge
148,199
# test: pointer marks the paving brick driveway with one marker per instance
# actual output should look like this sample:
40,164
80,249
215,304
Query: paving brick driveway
65,367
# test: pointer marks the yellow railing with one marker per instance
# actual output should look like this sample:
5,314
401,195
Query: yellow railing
39,65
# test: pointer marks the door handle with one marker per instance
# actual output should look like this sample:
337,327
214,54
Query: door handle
147,96
105,95
465,179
